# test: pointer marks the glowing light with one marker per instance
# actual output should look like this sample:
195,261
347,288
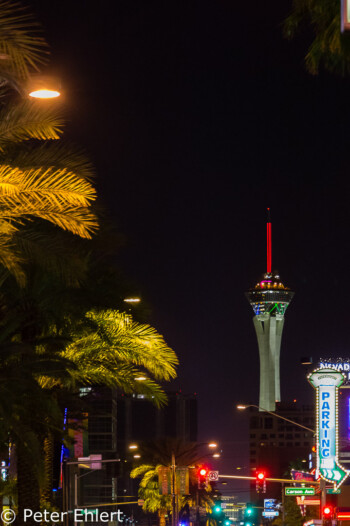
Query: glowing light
140,378
132,300
137,456
269,246
260,476
44,94
203,472
133,446
216,455
241,406
212,444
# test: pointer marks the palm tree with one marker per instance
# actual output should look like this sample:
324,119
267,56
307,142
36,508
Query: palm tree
57,347
39,180
23,49
329,47
158,454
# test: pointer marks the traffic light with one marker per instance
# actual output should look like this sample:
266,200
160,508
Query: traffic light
249,515
217,509
327,514
260,478
202,475
218,514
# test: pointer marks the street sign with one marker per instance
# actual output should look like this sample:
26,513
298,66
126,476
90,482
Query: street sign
270,514
299,491
332,491
213,476
182,480
164,480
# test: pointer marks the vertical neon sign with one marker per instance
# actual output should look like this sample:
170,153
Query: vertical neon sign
326,382
348,417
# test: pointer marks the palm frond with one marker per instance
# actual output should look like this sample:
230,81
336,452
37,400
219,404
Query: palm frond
29,120
52,154
79,221
20,39
57,187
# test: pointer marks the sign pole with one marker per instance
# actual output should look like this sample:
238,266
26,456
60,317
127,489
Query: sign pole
173,496
283,503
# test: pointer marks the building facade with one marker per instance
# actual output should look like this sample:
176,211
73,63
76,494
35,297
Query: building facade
275,444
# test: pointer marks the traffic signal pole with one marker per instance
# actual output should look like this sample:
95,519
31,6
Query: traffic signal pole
173,489
311,482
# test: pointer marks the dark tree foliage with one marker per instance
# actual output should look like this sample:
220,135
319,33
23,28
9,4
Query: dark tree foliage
329,48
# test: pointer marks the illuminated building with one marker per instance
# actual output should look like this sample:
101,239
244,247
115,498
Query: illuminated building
269,300
230,508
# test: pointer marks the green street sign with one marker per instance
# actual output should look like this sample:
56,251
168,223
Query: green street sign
332,491
299,491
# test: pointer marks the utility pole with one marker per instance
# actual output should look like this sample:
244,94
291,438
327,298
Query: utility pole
283,504
173,488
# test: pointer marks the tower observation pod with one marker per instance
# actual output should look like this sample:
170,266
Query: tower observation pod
269,300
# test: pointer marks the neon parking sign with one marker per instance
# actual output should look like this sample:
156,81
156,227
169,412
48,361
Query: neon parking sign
326,382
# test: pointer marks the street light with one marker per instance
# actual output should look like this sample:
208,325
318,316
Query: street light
43,87
245,406
132,300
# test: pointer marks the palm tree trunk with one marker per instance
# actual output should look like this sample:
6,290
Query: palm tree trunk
46,494
27,486
162,521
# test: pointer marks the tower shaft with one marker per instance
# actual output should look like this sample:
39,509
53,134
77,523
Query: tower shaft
269,335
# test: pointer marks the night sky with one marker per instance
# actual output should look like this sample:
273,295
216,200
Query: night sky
198,115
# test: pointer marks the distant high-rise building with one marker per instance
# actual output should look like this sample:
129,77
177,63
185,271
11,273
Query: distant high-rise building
269,300
274,442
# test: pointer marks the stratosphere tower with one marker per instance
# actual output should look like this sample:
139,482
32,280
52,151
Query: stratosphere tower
269,300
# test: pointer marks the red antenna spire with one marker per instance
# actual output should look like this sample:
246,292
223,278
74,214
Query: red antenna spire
269,243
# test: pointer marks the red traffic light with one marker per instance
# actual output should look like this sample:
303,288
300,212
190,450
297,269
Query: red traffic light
327,512
260,477
203,472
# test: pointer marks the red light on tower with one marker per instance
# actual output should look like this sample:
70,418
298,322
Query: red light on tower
260,478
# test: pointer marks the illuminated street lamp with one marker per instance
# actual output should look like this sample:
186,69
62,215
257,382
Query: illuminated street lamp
132,300
133,446
245,406
212,445
43,87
